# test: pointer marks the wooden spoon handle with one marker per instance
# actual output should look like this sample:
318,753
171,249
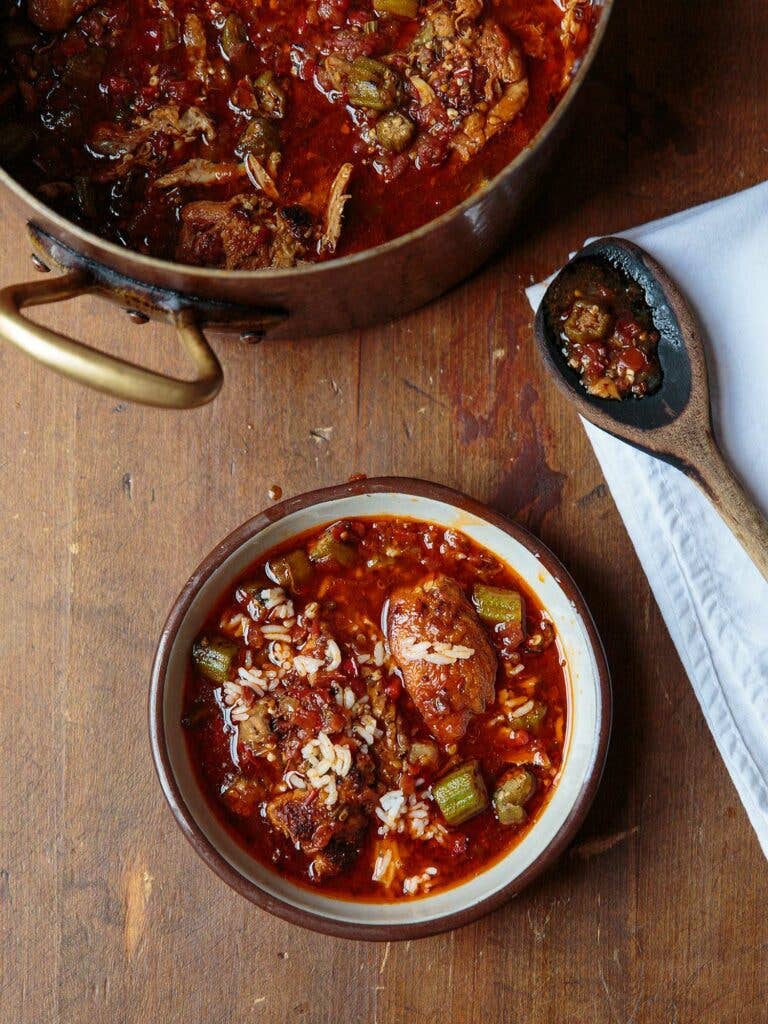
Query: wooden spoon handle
716,478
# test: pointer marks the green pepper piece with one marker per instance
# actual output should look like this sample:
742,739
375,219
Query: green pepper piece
213,658
327,549
261,139
170,34
372,84
394,131
531,720
515,789
399,8
272,98
497,605
234,37
461,794
424,753
292,570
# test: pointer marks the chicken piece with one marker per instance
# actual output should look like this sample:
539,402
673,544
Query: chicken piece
260,177
575,13
249,232
237,233
196,46
504,64
337,200
255,732
132,147
331,835
441,648
468,77
303,818
202,172
56,15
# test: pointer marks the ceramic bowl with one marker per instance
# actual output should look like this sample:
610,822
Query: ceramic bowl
589,710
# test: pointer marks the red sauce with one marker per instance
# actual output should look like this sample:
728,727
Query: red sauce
121,61
388,553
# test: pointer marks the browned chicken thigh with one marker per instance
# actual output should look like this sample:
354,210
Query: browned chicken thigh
440,646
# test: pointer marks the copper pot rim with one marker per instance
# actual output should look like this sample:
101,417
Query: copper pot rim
93,242
206,849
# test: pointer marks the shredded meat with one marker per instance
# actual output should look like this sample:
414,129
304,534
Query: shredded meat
132,147
202,172
337,200
56,15
253,230
236,233
260,177
447,695
196,47
393,747
468,77
573,17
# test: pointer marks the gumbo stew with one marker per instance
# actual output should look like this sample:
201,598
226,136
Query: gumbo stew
607,331
378,708
244,134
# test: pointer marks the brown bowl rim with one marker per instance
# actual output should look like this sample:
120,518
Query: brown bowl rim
206,849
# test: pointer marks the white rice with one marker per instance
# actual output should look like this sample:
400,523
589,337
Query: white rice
295,780
332,655
522,710
327,762
380,867
306,665
435,652
423,881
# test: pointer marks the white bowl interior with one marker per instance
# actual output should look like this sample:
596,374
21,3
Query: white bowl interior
582,737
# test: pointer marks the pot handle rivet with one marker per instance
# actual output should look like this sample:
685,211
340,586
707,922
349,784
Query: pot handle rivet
137,317
252,337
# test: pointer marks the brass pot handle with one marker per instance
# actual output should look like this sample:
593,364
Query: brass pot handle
96,369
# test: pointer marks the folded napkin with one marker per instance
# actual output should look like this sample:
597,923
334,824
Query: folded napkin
713,599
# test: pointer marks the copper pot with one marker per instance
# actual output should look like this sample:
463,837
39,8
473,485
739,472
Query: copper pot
365,288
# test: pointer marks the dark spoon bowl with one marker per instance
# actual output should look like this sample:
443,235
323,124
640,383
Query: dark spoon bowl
672,397
675,422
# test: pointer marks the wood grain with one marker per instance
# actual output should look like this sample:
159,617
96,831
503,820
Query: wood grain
659,912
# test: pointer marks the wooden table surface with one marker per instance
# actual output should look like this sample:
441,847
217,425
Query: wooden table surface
658,912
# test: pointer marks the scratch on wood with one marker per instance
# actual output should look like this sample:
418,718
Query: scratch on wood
5,887
608,995
138,889
426,394
594,847
539,929
386,957
128,485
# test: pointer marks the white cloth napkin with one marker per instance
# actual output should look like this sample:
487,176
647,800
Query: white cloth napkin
713,599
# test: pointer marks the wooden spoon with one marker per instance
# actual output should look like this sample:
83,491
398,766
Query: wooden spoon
675,422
